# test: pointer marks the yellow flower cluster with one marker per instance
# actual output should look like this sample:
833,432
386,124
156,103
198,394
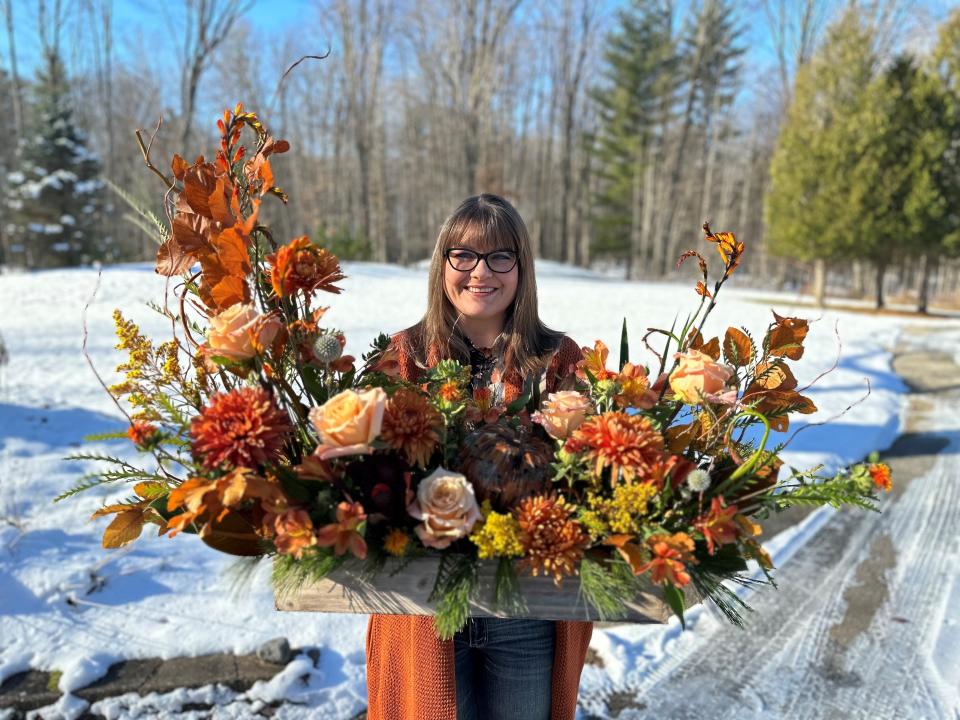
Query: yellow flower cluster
137,346
499,536
621,513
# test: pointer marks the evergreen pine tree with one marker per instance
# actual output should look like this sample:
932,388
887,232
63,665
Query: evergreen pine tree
640,82
54,195
808,213
903,188
6,153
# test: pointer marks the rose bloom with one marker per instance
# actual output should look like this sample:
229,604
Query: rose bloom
240,332
348,422
697,376
446,504
562,413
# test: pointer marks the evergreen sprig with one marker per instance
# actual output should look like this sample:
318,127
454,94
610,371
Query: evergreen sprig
455,585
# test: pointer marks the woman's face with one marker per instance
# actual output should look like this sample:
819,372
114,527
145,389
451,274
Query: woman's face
480,293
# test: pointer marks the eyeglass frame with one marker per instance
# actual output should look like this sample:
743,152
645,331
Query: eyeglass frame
482,257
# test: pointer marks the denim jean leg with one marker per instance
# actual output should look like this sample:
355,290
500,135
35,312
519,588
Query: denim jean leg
518,669
465,672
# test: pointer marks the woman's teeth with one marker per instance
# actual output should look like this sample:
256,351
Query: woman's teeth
481,291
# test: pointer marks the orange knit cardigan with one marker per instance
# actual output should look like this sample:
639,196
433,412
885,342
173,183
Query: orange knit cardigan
410,672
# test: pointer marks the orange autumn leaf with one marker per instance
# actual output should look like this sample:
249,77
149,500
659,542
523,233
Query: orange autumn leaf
785,338
628,550
738,348
702,290
125,528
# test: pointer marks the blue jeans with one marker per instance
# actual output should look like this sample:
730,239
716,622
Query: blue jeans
504,669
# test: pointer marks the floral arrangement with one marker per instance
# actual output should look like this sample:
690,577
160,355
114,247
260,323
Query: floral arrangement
266,440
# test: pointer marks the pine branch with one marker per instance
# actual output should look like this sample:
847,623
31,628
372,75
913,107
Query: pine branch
608,589
455,584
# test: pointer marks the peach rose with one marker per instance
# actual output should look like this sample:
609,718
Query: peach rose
699,377
447,506
240,332
348,422
562,412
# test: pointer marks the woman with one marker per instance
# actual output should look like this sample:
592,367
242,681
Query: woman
481,308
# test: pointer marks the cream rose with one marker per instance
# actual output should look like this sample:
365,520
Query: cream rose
698,377
240,332
447,506
348,422
562,413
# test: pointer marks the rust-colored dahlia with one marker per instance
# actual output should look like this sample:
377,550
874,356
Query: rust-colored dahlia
628,444
552,542
302,265
141,433
241,428
409,423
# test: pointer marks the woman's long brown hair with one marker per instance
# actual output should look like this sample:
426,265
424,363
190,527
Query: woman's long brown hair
486,222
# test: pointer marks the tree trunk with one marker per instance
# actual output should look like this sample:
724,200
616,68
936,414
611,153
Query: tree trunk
929,266
820,282
16,89
881,271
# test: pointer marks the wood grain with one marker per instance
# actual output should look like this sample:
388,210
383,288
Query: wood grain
346,591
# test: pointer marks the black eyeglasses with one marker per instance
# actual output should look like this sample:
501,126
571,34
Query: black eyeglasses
463,260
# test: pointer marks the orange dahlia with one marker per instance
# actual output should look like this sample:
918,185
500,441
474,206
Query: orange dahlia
302,265
628,444
240,428
552,542
880,472
408,425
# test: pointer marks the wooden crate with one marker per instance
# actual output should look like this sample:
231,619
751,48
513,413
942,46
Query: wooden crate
346,591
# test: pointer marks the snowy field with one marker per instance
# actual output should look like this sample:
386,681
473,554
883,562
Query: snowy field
68,605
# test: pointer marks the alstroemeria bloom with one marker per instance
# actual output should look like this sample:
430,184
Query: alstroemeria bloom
718,526
343,534
670,552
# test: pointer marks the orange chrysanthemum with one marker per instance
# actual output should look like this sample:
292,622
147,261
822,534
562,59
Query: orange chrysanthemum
671,553
241,428
141,433
880,472
628,444
409,423
552,542
302,265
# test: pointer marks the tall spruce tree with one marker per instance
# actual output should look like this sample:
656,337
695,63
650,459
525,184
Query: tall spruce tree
55,194
808,213
637,92
903,188
6,152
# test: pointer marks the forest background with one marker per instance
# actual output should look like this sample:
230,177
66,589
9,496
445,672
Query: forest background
825,133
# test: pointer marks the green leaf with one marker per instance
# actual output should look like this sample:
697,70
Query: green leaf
674,597
624,345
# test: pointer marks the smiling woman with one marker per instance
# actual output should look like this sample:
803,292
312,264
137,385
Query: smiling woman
482,311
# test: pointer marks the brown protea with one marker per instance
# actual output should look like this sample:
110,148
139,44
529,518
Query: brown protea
409,425
505,464
240,428
629,445
552,543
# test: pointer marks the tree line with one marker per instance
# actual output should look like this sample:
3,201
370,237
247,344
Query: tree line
615,128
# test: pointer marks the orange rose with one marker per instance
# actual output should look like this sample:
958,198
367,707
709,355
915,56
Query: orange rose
698,377
446,504
562,413
240,332
348,422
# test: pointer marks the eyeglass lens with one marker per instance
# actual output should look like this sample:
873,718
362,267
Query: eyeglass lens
498,261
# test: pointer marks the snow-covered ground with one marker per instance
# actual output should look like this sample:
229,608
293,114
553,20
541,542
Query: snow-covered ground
167,598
